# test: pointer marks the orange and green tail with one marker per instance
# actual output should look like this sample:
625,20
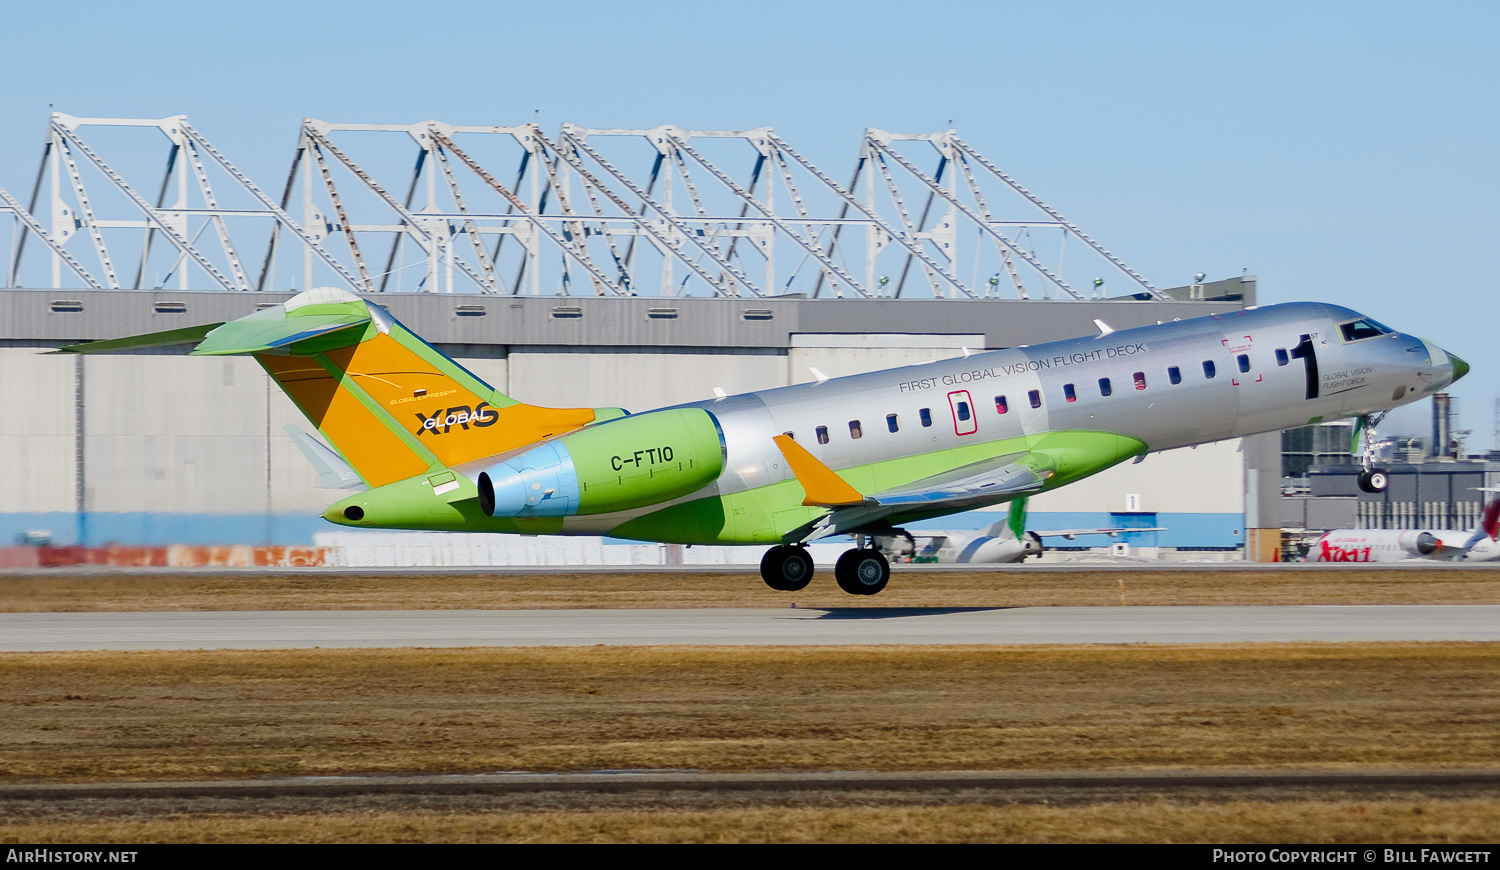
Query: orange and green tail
392,405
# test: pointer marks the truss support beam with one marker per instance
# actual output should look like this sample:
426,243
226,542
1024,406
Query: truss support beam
911,244
571,140
61,128
1084,237
879,142
35,229
938,222
515,201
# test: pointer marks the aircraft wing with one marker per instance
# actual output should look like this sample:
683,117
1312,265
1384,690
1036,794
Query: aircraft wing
981,483
971,485
1070,534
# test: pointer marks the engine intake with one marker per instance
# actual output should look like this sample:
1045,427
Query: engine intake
1419,543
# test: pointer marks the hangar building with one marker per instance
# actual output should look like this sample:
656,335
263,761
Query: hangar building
607,295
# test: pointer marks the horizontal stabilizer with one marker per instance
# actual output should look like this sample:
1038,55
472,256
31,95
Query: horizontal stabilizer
273,328
184,335
316,313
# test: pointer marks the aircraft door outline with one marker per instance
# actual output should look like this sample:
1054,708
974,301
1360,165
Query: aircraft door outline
965,421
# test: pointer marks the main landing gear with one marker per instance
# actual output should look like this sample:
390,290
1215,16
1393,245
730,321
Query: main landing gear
1370,479
861,571
786,568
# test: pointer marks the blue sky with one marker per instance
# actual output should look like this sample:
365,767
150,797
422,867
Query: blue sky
1339,151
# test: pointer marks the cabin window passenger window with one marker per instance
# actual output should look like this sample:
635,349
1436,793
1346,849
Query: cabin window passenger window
1001,406
963,411
1104,388
926,415
822,434
1208,369
890,422
1281,356
1174,374
854,430
790,434
1069,393
1036,398
1140,380
1244,360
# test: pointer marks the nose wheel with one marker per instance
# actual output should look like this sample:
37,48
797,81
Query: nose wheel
1371,479
786,568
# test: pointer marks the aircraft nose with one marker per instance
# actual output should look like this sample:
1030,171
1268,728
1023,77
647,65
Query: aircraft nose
1460,368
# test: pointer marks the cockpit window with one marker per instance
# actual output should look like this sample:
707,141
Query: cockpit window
1366,328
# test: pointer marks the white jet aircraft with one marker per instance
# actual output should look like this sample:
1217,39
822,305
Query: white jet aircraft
1400,545
1005,541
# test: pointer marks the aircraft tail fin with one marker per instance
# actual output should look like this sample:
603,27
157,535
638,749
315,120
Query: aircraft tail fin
392,405
1013,527
1489,524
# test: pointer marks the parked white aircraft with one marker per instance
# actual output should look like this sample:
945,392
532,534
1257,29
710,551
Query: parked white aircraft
1004,541
1400,545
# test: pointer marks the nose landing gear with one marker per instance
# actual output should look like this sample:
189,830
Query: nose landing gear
1374,480
1371,479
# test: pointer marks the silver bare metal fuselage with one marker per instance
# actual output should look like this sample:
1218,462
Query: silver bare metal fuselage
1271,368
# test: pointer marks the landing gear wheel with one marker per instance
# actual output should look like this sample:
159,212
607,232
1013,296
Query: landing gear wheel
786,569
1374,480
862,572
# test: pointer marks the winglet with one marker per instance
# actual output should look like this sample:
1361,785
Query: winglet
1017,521
820,484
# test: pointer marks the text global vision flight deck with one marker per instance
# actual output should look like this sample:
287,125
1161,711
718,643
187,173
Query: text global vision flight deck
439,449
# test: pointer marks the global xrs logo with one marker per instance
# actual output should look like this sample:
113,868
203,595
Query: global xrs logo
442,422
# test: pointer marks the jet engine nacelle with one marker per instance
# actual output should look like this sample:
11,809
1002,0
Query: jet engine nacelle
1418,543
1000,549
618,465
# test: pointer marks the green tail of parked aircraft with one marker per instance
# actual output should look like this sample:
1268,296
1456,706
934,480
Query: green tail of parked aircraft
439,449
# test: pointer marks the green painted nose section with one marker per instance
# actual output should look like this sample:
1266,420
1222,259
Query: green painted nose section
1460,368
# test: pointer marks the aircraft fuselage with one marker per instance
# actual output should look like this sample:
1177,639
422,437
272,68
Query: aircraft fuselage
1089,403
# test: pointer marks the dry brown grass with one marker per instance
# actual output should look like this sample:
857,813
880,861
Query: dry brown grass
96,716
911,586
1147,821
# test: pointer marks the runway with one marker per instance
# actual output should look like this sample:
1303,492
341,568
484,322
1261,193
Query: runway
309,629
